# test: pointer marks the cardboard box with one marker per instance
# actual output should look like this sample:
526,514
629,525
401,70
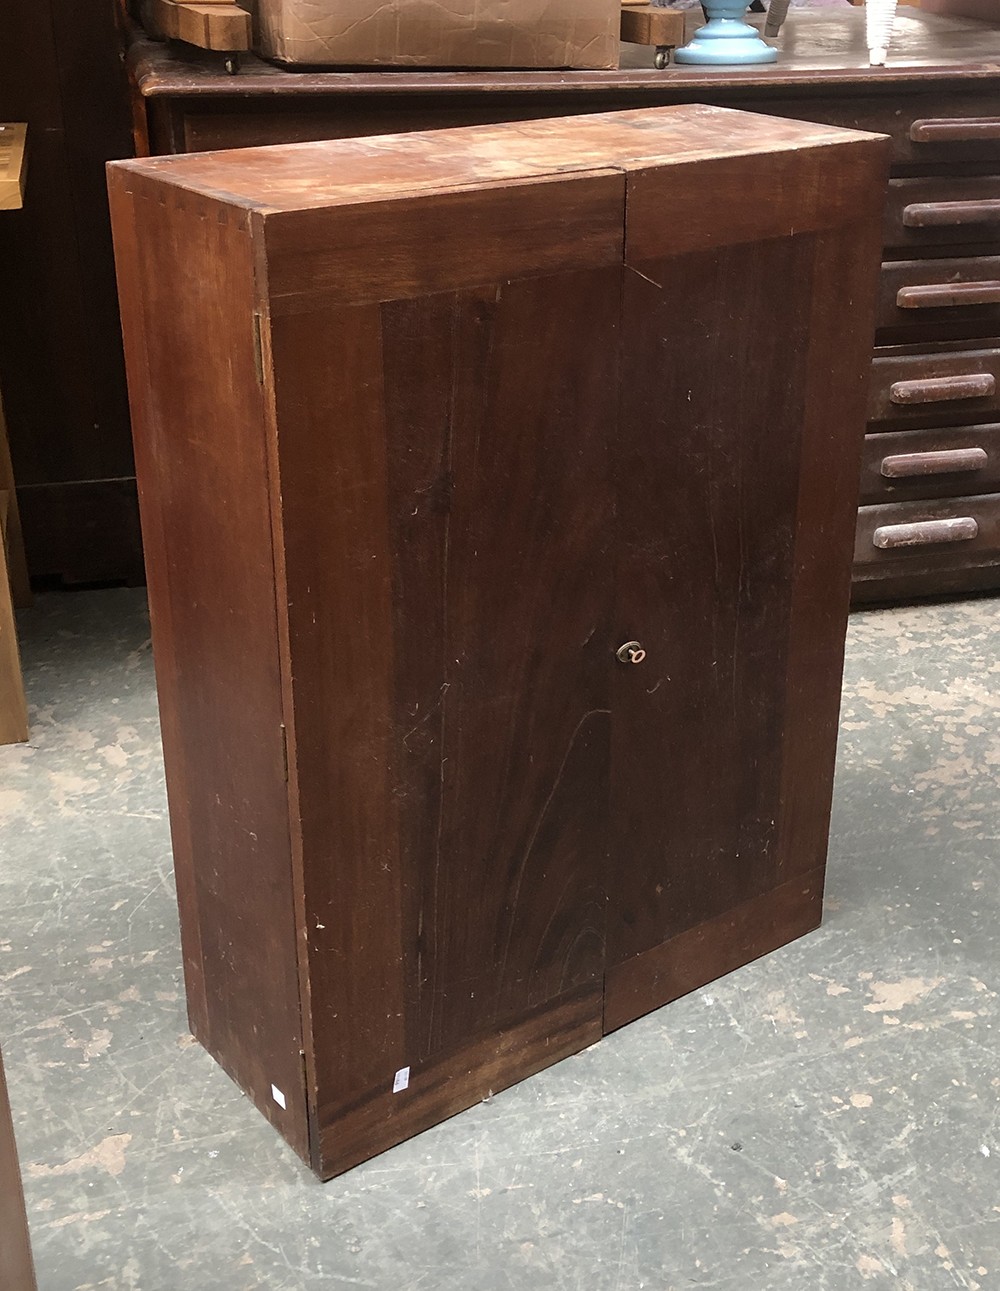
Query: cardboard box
440,33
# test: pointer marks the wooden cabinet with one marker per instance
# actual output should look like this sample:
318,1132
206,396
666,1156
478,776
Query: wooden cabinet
428,429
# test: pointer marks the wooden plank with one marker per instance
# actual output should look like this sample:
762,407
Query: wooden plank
338,173
17,566
13,705
186,272
646,24
15,1245
13,143
224,27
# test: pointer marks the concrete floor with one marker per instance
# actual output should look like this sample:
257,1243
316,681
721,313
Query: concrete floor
824,1119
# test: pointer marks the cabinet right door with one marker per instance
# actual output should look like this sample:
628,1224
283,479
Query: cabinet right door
749,290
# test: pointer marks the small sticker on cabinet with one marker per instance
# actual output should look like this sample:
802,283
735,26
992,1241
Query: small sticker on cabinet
278,1097
401,1080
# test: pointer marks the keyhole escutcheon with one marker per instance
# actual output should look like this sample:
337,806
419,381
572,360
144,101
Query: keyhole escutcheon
631,652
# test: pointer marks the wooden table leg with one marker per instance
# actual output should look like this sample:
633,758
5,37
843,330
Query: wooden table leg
16,1267
17,566
13,705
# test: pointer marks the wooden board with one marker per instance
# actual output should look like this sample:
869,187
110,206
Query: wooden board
13,705
219,26
15,1246
646,24
13,142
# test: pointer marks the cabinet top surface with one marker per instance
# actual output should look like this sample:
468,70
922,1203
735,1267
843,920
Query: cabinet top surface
819,50
343,172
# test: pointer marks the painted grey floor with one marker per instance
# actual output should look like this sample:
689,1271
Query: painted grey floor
826,1118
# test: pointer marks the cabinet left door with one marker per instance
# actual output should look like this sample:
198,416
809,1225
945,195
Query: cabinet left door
445,416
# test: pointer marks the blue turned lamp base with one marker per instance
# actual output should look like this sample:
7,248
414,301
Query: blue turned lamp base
727,39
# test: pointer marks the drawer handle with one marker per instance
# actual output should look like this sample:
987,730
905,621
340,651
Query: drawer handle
976,385
930,215
924,533
954,130
946,461
943,295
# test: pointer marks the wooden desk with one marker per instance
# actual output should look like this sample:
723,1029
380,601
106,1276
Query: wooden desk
941,68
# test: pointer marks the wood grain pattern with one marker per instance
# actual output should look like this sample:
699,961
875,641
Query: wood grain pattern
767,516
644,24
469,513
186,273
209,25
455,1079
15,1246
711,949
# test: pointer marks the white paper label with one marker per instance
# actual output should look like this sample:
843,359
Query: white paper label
278,1096
401,1080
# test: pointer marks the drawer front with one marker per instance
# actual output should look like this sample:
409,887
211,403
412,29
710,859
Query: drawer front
926,129
904,465
947,388
950,132
939,535
954,210
940,297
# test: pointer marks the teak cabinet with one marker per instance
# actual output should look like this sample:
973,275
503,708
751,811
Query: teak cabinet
429,429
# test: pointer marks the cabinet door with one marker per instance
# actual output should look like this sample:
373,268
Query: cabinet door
444,420
741,425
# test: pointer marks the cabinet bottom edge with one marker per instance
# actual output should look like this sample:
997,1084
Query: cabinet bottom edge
712,949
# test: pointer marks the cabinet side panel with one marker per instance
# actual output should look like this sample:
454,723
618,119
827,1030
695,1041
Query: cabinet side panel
187,291
745,471
446,509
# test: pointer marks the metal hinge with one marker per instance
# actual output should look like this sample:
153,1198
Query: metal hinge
258,353
284,751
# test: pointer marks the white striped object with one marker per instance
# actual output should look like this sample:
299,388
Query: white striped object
880,17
